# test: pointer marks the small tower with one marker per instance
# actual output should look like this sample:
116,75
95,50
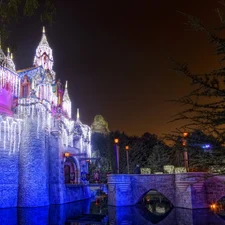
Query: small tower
43,56
9,83
66,102
9,61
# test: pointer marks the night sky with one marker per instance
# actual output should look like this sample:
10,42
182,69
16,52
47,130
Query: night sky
114,55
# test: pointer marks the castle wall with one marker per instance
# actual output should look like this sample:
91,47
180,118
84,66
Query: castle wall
8,173
33,167
59,191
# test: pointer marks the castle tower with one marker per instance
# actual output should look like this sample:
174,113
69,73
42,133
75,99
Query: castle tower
9,83
33,166
43,56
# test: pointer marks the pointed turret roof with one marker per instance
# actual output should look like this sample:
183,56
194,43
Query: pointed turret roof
9,61
42,51
66,97
78,115
2,57
2,54
44,41
66,103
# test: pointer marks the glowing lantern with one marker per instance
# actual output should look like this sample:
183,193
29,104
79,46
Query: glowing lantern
66,154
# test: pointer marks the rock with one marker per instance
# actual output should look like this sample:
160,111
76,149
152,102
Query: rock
99,125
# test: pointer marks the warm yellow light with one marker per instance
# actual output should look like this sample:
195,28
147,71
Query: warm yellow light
66,154
127,147
116,140
213,206
185,134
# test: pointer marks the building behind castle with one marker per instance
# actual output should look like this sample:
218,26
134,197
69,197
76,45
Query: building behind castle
42,150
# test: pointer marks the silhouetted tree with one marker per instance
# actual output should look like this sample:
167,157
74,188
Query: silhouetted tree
158,157
12,10
205,105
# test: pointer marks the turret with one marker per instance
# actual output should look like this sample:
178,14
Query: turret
9,61
66,103
9,83
43,56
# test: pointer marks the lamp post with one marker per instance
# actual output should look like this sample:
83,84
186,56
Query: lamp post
127,153
116,142
185,135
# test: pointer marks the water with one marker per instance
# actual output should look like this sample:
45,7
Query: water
97,212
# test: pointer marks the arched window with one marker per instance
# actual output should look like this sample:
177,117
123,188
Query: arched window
70,171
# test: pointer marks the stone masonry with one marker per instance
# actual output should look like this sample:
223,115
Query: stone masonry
185,190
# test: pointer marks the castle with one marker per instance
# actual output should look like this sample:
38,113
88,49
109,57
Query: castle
44,154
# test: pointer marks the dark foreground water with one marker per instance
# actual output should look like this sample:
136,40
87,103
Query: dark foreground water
91,213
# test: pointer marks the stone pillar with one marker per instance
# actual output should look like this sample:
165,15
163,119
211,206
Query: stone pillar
190,190
56,171
120,190
33,166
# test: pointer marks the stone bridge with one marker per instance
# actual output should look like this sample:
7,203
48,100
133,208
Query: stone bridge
185,190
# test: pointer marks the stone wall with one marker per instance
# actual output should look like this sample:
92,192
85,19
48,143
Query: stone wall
32,169
76,192
56,178
130,189
33,166
190,190
185,190
8,173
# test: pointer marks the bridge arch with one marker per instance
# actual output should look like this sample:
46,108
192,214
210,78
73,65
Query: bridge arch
127,189
141,190
153,191
215,188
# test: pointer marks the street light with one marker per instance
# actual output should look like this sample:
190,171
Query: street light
67,154
184,143
127,153
116,141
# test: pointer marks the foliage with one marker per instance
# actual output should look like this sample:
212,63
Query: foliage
204,106
147,150
199,158
206,103
158,157
12,10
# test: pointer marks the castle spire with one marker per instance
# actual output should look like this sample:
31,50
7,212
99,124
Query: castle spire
43,56
9,61
8,52
66,102
78,115
2,55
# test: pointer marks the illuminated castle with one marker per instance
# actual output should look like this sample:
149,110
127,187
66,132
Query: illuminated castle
42,149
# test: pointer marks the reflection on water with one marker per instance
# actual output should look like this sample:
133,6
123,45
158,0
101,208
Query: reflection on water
97,212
